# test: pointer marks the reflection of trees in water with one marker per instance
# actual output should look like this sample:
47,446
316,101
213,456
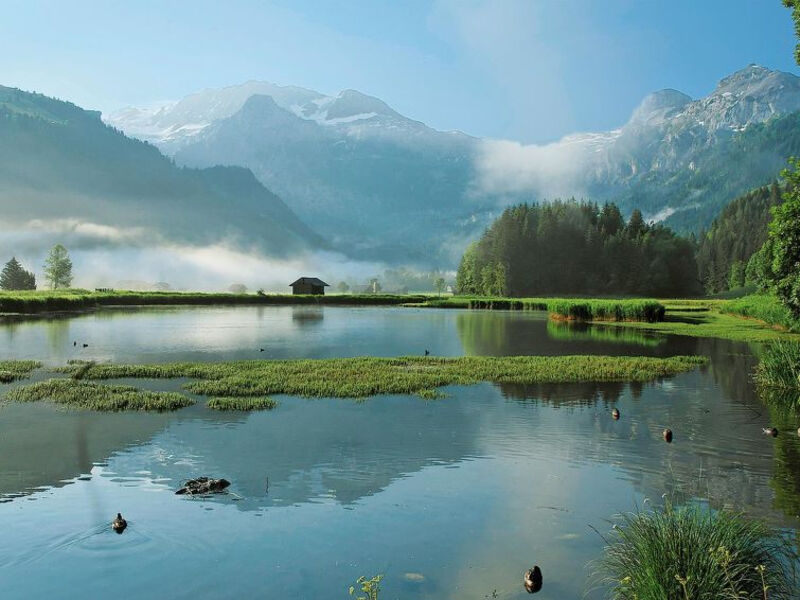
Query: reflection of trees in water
495,333
58,334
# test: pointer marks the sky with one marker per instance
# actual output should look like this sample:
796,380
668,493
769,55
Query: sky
524,70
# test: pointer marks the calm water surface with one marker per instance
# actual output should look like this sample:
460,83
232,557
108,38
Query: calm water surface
450,499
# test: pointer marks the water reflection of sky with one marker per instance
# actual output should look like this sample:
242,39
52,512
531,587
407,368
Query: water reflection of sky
453,498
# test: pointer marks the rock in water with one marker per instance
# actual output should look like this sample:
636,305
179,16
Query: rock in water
533,579
203,485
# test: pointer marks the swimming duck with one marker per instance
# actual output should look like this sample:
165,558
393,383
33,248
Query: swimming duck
427,352
533,579
770,431
667,435
119,524
615,414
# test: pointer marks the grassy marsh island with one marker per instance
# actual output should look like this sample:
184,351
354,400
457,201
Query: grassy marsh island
96,396
690,553
247,385
12,370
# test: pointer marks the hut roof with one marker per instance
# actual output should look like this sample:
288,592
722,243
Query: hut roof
310,280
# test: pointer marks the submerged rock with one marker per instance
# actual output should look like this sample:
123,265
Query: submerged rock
203,485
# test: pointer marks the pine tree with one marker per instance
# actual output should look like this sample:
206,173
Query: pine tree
15,277
58,267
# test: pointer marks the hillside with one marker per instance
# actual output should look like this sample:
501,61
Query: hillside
61,166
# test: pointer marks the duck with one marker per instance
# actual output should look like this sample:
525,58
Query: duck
119,524
667,435
74,343
427,352
770,431
86,345
615,414
533,579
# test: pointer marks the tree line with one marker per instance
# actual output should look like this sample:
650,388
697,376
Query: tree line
577,247
57,272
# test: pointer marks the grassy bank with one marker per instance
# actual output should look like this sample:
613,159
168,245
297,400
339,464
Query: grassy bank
76,300
763,307
691,553
11,370
778,373
95,396
367,376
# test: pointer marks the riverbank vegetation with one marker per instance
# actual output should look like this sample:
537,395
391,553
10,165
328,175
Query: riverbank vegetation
691,553
764,307
778,371
11,370
96,396
79,299
362,377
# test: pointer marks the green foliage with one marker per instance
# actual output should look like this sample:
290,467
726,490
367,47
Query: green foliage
242,403
58,268
370,588
11,370
781,252
14,277
342,287
439,284
779,368
765,307
368,376
736,234
570,247
795,6
95,396
690,553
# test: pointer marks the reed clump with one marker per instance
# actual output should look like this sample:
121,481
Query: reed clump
691,553
242,403
96,396
12,370
778,372
362,377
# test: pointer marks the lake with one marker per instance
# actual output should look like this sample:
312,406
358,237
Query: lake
453,498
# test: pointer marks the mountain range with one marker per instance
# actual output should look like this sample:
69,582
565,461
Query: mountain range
63,172
381,185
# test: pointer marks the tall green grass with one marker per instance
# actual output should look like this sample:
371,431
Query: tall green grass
240,403
368,376
96,396
763,307
778,372
691,553
11,370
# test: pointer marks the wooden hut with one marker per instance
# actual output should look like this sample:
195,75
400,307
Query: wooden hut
309,285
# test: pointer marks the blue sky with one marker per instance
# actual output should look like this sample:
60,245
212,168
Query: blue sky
528,70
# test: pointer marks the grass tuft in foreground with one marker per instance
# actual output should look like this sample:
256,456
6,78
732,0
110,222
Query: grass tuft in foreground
11,370
693,553
367,376
96,396
242,403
